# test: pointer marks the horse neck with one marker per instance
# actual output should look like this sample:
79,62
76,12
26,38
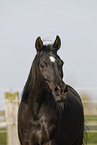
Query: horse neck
38,97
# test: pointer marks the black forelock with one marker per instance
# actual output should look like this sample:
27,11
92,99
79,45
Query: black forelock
48,48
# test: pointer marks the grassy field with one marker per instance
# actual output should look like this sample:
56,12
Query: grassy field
90,118
3,137
91,136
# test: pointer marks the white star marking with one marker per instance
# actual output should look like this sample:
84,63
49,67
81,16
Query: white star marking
52,59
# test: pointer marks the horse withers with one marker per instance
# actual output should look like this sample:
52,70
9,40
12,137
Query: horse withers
50,111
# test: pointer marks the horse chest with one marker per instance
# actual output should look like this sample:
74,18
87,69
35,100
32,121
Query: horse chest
38,130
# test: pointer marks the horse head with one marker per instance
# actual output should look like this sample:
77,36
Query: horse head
50,65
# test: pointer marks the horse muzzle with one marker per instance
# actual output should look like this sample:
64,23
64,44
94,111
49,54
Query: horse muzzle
59,90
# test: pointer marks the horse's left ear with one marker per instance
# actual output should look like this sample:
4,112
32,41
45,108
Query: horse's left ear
57,43
38,44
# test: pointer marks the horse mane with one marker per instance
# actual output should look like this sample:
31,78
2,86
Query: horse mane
30,83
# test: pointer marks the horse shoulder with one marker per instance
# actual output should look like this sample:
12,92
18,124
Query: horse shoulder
73,93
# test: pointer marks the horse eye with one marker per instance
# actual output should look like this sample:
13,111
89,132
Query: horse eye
42,65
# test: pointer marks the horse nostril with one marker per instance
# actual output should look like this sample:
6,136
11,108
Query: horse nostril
60,90
65,89
57,89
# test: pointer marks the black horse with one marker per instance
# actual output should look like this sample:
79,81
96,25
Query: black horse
50,112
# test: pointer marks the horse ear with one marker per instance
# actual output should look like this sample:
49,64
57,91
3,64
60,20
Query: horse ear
57,43
38,44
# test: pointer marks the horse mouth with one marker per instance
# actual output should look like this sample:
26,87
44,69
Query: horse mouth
60,97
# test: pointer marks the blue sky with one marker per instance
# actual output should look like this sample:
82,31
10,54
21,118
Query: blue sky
21,22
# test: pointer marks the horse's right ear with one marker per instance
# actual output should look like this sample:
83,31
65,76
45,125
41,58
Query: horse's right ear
38,44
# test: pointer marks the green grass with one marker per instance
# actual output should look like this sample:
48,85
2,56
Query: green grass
91,118
3,137
92,138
